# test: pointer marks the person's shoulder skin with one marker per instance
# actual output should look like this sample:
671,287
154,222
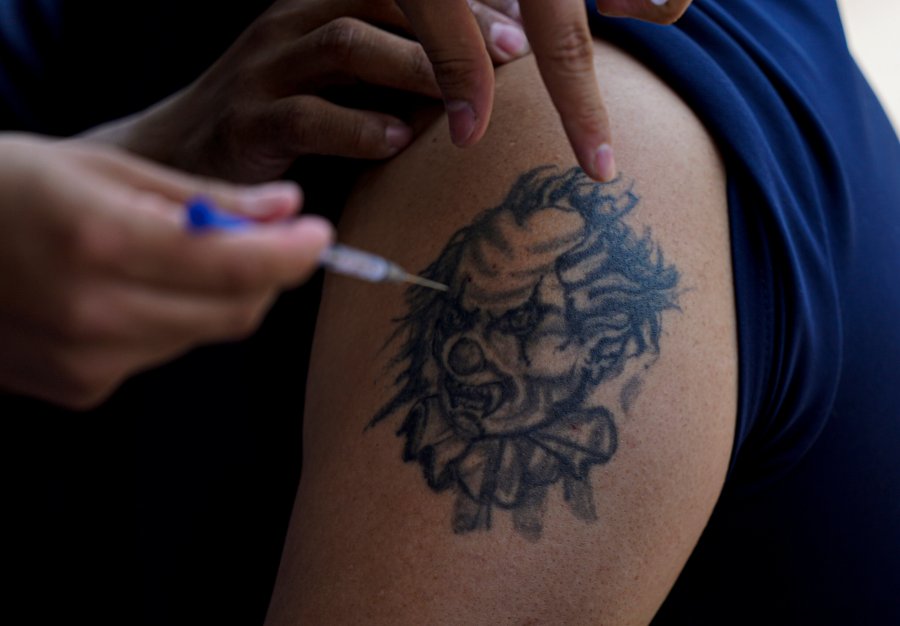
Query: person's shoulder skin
545,441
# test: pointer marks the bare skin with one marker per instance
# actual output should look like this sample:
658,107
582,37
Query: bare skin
561,41
278,106
394,521
271,97
100,278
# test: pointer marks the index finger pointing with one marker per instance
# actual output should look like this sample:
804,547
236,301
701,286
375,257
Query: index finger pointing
563,46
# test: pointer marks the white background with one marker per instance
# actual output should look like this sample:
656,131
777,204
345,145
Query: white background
873,30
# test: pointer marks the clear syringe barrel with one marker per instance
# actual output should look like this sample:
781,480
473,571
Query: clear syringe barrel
352,262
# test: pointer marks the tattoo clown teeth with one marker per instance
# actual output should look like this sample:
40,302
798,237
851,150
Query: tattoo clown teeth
484,399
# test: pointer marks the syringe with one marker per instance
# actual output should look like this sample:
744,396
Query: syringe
201,217
371,267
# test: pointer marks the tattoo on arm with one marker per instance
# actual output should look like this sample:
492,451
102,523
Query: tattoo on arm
551,294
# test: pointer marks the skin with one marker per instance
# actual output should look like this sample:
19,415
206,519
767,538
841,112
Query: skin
277,109
370,541
561,41
461,39
99,278
264,103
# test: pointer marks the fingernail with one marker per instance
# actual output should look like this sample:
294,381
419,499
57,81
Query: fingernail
269,198
397,137
605,163
509,39
659,3
461,116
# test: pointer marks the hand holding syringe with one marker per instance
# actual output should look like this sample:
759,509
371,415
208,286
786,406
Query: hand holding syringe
201,217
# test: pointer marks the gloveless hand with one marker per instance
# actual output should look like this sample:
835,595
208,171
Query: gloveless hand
99,278
267,100
561,41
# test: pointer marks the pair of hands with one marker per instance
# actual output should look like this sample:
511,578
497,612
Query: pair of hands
99,279
267,100
562,45
273,96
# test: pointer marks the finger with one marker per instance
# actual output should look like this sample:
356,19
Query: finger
131,317
76,379
265,256
270,201
381,12
138,239
348,49
563,47
312,125
658,11
509,8
300,18
451,38
504,38
258,258
34,377
133,330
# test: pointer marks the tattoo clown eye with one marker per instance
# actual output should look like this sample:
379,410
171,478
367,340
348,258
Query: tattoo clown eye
520,321
455,320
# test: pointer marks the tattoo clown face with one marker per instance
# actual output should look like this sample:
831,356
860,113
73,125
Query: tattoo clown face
501,345
550,295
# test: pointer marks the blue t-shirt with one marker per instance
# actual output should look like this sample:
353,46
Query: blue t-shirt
807,530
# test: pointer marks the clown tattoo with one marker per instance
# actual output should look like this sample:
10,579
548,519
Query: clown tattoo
551,296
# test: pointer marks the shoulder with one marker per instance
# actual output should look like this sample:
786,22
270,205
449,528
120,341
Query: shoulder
548,438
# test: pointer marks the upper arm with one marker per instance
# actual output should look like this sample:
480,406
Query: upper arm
545,442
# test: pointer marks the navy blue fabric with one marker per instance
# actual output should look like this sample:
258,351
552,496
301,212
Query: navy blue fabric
807,530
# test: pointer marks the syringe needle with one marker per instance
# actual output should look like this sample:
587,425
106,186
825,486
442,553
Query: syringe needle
424,282
371,267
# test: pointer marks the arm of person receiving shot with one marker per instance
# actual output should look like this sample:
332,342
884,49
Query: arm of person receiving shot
544,443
